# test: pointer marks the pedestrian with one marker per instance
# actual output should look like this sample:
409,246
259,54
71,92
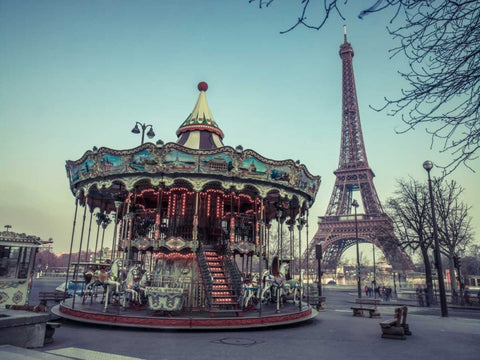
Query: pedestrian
366,290
427,296
466,295
419,294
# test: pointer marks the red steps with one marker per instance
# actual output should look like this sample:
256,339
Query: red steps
222,293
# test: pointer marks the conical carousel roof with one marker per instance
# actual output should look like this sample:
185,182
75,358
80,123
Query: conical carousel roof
199,130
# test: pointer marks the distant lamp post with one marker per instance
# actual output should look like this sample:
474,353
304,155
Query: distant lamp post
143,127
355,206
428,165
318,255
374,272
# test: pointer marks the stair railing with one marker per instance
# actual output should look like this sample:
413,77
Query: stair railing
206,274
233,274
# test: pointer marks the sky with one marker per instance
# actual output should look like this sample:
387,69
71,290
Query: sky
78,74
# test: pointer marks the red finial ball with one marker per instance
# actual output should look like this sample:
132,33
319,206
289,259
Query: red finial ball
202,86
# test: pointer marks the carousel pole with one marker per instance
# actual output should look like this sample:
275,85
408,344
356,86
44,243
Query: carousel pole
262,241
98,221
75,272
301,223
280,257
105,222
291,228
308,261
71,246
89,233
114,240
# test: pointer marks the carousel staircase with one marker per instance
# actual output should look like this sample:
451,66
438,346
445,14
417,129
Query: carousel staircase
223,297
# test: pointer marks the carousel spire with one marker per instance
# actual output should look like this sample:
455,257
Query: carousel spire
199,130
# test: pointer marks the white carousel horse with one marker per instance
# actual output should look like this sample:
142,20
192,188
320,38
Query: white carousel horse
278,285
131,284
113,280
107,279
295,287
267,281
273,286
251,290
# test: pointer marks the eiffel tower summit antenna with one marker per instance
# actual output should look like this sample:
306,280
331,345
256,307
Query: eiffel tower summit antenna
337,229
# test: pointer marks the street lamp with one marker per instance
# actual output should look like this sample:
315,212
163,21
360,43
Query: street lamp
428,165
374,272
355,206
144,127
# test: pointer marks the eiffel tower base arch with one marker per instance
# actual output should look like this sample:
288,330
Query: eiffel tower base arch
336,234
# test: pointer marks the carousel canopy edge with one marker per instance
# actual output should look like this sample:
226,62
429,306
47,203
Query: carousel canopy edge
173,159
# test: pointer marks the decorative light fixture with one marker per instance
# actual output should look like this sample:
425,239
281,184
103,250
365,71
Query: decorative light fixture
144,127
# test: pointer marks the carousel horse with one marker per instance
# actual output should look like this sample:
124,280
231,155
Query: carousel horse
279,288
113,280
267,281
131,284
251,290
107,279
294,287
273,286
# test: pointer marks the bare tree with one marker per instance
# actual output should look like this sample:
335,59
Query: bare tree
454,224
409,210
440,40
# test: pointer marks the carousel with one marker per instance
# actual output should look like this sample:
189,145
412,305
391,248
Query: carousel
204,235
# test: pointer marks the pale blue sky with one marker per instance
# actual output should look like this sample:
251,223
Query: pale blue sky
78,74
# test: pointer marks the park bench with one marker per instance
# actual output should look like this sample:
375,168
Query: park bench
45,296
371,307
397,327
50,330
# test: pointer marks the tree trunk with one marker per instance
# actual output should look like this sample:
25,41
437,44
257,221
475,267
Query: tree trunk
453,281
428,277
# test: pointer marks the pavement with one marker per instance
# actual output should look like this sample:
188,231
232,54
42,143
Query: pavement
333,334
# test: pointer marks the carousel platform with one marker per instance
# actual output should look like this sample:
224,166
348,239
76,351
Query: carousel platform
116,315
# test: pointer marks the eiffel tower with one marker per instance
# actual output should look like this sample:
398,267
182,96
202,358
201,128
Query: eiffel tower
337,229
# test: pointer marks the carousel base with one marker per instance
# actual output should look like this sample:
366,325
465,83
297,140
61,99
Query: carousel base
184,320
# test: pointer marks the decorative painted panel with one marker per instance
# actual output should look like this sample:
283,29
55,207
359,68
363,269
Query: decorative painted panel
111,163
179,161
143,161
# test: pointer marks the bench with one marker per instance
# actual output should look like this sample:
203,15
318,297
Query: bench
360,309
397,327
50,330
45,296
321,300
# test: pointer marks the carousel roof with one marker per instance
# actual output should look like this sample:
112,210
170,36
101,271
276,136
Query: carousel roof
198,158
10,238
199,130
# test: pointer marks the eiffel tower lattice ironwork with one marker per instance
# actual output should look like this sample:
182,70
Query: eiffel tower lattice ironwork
337,229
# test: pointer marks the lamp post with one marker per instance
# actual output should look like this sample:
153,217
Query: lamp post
301,223
355,206
144,127
318,255
428,165
374,272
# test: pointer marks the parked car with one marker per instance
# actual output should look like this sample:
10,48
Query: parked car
332,282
